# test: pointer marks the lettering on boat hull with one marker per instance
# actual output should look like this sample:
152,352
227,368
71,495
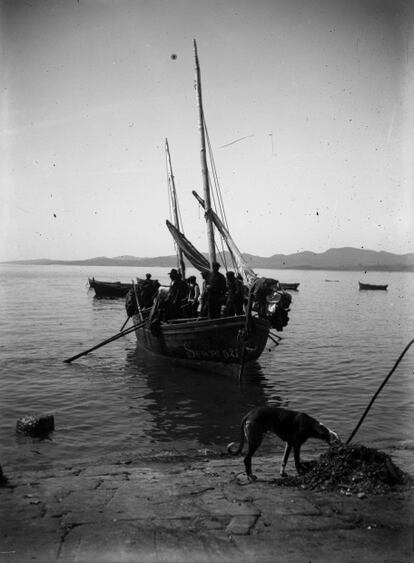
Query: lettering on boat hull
211,353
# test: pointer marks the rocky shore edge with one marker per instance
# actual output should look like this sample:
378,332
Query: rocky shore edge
176,507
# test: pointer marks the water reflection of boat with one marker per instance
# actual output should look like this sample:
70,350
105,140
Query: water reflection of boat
186,406
213,343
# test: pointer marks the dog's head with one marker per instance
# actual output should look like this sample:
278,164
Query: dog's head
325,433
333,437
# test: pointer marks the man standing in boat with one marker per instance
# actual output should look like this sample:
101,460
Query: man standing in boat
193,296
203,296
234,295
216,291
177,295
148,291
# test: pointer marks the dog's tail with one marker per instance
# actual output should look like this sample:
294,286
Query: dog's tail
242,439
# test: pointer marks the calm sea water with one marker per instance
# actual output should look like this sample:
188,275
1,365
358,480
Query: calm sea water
338,347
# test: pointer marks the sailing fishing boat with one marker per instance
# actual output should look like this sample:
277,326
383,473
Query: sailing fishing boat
220,345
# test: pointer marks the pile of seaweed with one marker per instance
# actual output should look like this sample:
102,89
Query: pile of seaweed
353,469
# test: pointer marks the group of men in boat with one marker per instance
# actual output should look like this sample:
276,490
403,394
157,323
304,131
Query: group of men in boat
219,295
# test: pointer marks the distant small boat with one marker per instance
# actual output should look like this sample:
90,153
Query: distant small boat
372,286
291,286
332,280
109,289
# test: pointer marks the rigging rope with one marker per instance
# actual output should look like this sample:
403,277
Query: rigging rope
378,391
218,201
170,205
220,205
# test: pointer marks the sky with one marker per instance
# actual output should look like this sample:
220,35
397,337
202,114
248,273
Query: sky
308,103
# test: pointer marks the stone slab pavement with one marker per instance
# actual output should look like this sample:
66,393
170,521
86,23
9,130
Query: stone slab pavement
167,509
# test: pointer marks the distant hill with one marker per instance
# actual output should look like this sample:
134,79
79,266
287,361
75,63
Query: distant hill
346,258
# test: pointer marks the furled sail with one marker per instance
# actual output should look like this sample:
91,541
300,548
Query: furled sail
238,259
190,252
235,252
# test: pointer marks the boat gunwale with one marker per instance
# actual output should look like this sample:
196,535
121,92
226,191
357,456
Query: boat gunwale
110,284
219,323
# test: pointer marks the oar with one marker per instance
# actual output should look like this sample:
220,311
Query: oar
246,327
275,335
137,300
107,341
270,335
142,310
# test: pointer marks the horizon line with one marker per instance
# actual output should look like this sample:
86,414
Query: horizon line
172,254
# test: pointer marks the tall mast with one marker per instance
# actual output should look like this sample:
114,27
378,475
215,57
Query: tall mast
173,195
204,168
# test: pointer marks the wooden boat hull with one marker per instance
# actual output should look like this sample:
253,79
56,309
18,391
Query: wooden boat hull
109,289
372,286
291,286
212,345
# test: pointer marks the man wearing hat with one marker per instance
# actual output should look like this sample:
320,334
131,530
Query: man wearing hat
148,290
234,295
177,294
216,291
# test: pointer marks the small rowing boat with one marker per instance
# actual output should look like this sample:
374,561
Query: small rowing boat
109,289
372,286
291,286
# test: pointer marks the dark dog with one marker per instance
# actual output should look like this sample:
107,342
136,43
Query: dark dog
292,427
